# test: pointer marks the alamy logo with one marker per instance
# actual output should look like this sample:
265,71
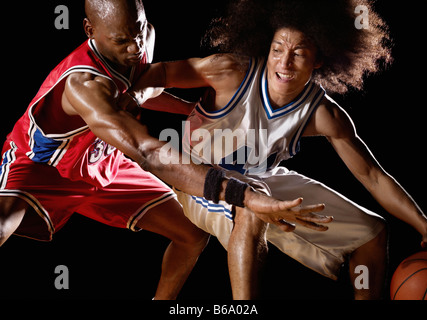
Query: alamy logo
235,150
62,21
362,20
362,280
62,280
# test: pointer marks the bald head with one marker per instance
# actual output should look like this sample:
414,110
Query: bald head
103,10
120,30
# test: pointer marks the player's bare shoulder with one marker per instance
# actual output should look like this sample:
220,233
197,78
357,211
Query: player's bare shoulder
87,80
85,88
225,71
229,61
330,120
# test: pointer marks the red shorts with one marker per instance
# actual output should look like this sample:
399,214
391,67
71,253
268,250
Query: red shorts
122,203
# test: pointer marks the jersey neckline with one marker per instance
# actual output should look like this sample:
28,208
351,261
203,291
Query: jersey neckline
278,112
113,72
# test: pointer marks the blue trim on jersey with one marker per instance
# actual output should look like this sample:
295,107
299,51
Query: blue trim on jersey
294,145
275,113
44,148
236,97
213,207
8,158
49,149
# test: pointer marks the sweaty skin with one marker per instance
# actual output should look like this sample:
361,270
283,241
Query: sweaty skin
290,64
122,37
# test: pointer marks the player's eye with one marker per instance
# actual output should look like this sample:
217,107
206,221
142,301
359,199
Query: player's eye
298,53
120,41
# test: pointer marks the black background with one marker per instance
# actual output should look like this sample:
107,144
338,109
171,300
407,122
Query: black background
105,262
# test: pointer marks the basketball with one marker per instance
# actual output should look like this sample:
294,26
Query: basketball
409,281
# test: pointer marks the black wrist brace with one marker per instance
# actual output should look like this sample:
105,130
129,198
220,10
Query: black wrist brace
235,192
213,184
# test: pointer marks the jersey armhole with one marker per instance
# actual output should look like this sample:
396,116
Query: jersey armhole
36,110
295,142
236,97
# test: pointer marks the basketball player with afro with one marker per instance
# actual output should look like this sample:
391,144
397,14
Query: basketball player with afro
274,64
67,152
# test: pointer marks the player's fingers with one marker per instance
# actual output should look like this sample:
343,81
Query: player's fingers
311,208
285,226
286,205
312,225
316,218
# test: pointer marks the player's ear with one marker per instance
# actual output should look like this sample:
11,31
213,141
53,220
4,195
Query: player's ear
318,64
88,28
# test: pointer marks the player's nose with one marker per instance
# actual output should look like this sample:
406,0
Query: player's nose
136,46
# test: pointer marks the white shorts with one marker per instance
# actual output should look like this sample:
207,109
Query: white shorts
323,252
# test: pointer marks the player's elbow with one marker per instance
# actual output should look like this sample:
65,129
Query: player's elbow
147,163
150,155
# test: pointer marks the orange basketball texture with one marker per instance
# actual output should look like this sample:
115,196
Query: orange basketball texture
409,281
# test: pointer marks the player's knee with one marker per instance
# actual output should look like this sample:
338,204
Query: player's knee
4,235
194,242
2,238
246,222
197,239
12,211
189,235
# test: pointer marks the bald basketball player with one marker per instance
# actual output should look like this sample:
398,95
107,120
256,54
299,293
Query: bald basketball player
67,152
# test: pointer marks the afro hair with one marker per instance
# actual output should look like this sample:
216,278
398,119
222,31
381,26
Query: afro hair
348,53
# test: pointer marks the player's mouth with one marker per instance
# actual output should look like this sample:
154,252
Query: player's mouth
135,58
285,77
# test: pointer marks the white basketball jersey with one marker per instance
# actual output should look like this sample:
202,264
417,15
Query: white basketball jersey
248,135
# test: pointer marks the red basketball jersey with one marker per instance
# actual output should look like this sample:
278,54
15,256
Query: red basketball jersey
74,151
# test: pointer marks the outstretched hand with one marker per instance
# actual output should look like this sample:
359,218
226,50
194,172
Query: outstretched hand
286,214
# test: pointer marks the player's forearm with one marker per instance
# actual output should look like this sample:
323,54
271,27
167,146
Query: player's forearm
126,134
169,103
153,76
192,178
175,74
188,178
122,131
393,198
